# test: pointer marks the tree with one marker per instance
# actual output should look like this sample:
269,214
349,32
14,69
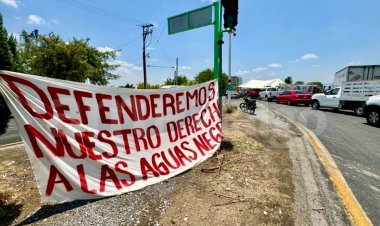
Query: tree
129,86
319,84
6,59
207,75
288,80
7,54
50,56
148,86
179,80
299,83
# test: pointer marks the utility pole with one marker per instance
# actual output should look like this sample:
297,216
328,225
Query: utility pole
147,29
229,86
176,72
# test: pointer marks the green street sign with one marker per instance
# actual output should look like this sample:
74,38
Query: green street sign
190,20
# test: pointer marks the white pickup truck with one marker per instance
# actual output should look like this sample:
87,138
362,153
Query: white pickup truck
372,110
269,94
351,96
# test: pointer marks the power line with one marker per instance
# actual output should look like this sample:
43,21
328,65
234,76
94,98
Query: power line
160,66
163,51
128,42
102,12
159,37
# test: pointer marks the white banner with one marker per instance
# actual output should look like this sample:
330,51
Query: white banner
88,141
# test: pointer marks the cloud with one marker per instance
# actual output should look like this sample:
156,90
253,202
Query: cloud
211,1
12,3
54,21
185,67
207,61
125,68
355,63
272,74
150,48
34,19
274,65
108,49
129,73
242,72
309,56
258,69
315,65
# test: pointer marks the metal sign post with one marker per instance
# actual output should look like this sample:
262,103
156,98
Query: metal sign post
198,18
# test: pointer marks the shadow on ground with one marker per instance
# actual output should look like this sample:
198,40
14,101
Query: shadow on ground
226,145
9,212
49,210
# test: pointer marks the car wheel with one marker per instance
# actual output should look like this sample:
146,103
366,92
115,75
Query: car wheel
315,105
373,117
359,110
243,106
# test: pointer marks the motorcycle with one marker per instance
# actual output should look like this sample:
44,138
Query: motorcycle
249,105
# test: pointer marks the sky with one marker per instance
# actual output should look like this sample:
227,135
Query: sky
307,40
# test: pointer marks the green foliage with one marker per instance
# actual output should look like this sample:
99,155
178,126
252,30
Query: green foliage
180,80
319,84
50,56
299,83
288,80
207,75
7,54
6,58
129,86
229,109
148,86
4,115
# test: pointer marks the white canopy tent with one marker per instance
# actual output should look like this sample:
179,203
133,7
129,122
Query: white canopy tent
262,83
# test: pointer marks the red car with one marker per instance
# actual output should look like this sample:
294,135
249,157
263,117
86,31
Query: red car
292,97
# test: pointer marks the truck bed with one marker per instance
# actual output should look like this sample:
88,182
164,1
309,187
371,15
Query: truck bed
360,90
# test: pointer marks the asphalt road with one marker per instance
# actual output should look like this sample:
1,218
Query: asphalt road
11,135
354,145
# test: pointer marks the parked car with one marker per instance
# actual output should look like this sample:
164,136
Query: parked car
269,94
292,97
234,95
372,110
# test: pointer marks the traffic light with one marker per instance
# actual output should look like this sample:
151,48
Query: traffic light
230,15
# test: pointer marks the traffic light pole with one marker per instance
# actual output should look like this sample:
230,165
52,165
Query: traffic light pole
218,41
229,86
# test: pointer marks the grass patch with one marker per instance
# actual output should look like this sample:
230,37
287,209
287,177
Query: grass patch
230,109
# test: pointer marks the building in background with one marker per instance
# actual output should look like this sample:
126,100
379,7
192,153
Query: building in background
235,82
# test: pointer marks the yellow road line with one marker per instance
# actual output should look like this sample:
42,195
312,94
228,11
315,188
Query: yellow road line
357,215
11,144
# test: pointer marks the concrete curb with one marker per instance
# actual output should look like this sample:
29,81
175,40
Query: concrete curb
11,144
354,209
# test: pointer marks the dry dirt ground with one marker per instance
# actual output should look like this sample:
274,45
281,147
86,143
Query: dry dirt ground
254,180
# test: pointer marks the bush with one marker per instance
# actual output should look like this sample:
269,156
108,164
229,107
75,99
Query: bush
5,115
229,109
